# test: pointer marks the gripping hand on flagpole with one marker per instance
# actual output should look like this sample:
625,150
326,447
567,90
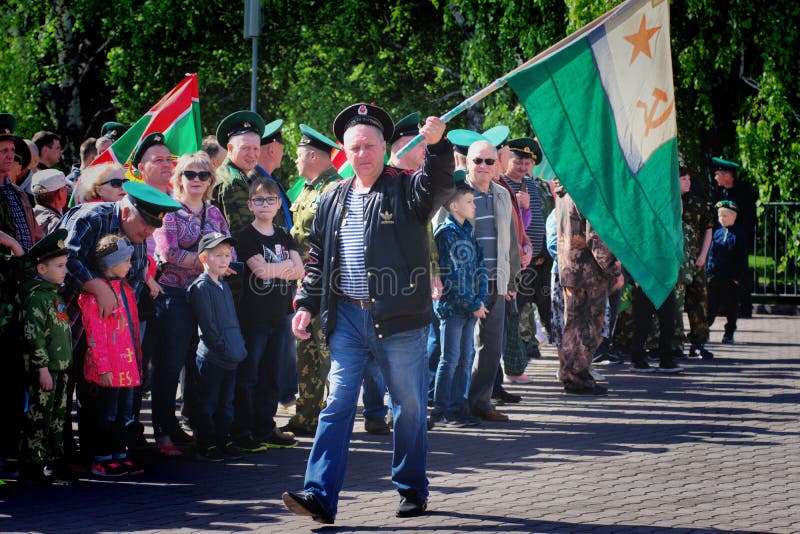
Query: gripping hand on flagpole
432,130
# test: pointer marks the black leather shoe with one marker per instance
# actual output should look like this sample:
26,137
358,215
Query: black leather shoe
298,430
302,503
504,397
377,426
411,507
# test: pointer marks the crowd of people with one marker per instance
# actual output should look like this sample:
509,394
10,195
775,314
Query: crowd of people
432,278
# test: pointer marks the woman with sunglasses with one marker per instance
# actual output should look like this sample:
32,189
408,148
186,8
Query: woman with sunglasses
176,252
101,183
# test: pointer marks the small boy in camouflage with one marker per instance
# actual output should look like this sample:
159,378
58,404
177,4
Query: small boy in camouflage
47,355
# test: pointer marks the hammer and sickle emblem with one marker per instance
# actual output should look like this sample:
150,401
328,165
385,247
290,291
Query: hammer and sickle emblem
650,120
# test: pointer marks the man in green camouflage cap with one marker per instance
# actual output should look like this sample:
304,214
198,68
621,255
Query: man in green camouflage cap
313,359
241,133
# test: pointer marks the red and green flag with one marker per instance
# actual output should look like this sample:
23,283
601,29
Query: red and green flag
603,108
176,115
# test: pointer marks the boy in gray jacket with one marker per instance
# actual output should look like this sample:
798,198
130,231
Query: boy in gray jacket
220,350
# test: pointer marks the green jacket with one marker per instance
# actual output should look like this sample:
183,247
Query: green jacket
46,329
231,195
304,208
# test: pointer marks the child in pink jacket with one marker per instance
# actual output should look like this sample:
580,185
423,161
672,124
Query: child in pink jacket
113,359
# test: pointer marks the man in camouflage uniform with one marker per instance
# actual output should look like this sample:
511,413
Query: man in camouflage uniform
47,355
313,359
588,271
698,221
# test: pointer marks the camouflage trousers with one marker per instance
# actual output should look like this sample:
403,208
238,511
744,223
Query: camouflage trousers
697,307
584,309
514,358
313,365
43,435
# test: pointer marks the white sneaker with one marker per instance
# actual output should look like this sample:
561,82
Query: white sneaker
520,379
596,375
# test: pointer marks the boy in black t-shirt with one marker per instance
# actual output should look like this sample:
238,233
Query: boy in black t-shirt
272,267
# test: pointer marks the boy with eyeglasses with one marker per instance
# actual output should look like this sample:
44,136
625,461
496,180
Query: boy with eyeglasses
272,266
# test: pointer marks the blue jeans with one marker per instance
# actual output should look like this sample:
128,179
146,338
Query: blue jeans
403,361
434,352
179,340
455,365
215,405
258,377
373,391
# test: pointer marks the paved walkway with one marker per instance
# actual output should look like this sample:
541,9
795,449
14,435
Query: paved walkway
714,449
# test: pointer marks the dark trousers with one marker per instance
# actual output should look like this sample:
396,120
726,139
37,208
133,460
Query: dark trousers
13,382
215,406
533,286
723,297
643,311
113,413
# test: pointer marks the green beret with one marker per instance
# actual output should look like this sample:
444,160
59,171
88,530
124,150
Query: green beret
460,179
272,132
725,165
153,139
526,147
22,151
463,139
50,246
730,204
113,130
362,113
151,203
238,123
407,126
497,135
311,137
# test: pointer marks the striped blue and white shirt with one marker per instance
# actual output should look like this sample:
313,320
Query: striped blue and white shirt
352,267
485,230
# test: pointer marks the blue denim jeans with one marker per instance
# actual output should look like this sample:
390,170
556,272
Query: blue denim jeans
434,352
455,365
404,364
258,377
373,391
215,403
179,340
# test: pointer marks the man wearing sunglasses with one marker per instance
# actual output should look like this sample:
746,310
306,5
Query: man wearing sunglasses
497,235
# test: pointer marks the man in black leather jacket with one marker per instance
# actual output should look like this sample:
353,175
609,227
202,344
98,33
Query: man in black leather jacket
368,278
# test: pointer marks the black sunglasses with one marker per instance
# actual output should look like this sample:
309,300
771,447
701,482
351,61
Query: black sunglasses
488,161
115,182
203,176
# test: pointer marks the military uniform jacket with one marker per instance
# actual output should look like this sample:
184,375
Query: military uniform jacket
304,208
46,330
397,211
584,260
231,196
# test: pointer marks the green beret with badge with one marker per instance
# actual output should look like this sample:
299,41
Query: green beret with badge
113,130
363,113
238,123
526,147
50,246
314,139
153,139
497,135
725,165
728,204
463,139
408,126
151,203
272,132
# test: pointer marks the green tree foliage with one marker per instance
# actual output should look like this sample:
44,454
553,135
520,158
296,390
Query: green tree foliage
70,65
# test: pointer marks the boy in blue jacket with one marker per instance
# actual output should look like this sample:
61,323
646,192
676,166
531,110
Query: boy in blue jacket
726,267
220,350
463,302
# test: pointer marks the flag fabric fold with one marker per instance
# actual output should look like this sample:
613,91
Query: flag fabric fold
176,115
601,103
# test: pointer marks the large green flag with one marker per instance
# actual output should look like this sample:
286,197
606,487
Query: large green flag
602,105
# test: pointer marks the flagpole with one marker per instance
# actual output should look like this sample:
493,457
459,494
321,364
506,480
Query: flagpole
502,81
